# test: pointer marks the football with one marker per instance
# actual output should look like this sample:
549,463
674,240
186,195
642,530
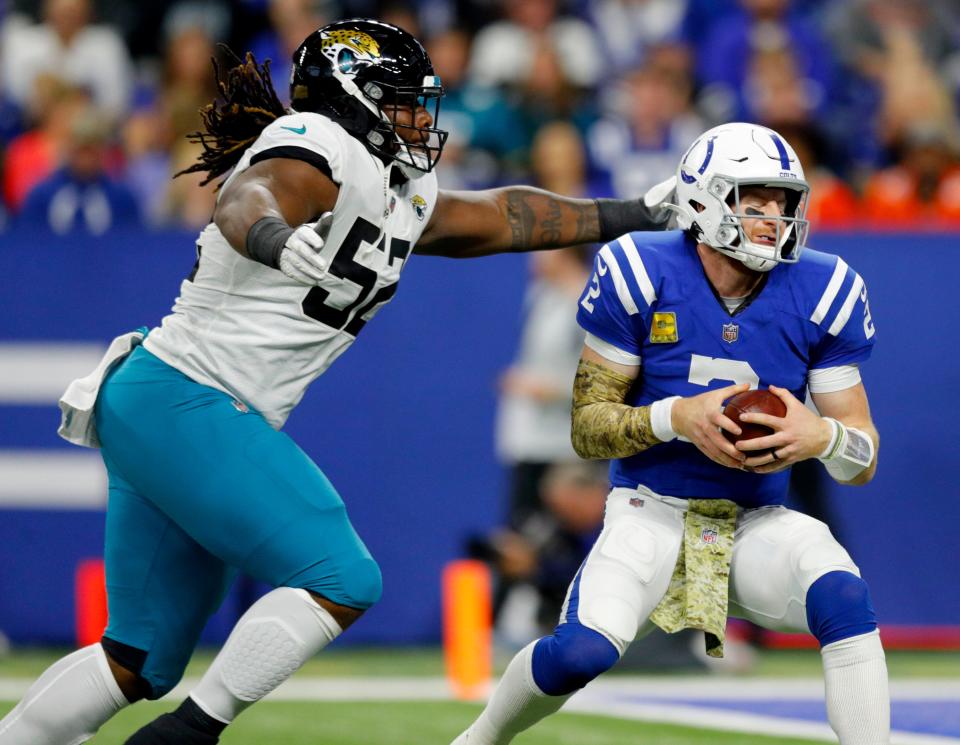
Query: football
760,401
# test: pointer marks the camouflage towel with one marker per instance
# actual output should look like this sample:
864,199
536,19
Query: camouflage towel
697,596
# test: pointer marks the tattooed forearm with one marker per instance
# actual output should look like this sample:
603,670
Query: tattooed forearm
604,426
539,219
550,233
588,223
520,217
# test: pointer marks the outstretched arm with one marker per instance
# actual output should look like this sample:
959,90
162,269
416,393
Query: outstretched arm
467,224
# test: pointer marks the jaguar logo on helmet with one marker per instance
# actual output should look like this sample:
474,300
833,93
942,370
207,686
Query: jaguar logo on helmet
366,75
349,49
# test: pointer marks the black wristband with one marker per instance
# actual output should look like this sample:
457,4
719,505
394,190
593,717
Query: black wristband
266,239
620,216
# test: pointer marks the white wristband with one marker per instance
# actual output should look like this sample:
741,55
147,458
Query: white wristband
850,452
660,419
832,446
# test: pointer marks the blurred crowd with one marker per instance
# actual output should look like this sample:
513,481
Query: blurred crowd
585,97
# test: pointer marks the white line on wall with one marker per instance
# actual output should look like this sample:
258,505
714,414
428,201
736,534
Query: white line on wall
51,479
36,373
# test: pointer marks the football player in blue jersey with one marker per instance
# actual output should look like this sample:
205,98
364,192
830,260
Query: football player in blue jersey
321,209
676,323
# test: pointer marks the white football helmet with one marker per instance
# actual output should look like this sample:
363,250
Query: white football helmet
710,176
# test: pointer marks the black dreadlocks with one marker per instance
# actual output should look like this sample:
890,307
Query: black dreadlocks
245,105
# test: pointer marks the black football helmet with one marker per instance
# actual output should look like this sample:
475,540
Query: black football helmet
357,72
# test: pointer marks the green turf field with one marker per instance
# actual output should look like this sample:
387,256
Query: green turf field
425,723
396,723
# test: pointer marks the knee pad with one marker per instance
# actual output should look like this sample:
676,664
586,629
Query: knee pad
571,658
838,607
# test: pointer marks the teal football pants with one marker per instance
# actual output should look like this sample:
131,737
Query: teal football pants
199,489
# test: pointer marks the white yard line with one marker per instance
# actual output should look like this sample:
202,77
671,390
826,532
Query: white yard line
731,721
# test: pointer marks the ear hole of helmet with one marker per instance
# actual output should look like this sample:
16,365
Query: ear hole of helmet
729,236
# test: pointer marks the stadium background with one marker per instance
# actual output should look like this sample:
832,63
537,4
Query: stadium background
600,102
403,424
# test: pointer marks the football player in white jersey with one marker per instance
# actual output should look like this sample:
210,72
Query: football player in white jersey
677,322
321,209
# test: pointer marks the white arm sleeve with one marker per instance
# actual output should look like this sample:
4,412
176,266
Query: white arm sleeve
609,352
833,379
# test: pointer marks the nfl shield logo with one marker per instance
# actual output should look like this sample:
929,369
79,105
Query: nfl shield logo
731,332
708,535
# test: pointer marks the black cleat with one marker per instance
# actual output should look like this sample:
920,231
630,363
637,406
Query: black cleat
169,729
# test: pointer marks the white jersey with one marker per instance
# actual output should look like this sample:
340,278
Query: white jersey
250,331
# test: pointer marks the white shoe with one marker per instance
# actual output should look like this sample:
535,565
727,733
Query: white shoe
464,739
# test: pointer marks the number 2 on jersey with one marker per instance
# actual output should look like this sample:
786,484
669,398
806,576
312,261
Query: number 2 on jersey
704,370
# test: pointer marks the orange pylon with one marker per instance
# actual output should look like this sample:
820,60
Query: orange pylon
467,627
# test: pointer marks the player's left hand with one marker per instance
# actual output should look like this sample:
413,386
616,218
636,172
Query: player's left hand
798,435
659,195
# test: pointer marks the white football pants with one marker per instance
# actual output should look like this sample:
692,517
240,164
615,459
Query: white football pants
777,554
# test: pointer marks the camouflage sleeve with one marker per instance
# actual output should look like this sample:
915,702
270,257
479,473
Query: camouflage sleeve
603,425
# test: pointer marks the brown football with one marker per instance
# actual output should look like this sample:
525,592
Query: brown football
760,401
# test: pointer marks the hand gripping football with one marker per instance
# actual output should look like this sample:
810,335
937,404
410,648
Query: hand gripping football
760,401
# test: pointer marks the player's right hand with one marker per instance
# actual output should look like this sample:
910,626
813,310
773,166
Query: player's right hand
300,258
699,419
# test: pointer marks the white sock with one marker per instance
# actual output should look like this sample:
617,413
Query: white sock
516,704
67,704
270,642
858,697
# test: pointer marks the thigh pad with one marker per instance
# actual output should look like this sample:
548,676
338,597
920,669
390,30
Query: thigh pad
778,553
628,570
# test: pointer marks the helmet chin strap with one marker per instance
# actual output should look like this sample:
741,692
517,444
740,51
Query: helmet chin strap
755,262
749,260
410,171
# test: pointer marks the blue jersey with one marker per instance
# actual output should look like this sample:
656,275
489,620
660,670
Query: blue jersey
650,298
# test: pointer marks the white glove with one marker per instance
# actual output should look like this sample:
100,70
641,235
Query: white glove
300,258
660,198
657,194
